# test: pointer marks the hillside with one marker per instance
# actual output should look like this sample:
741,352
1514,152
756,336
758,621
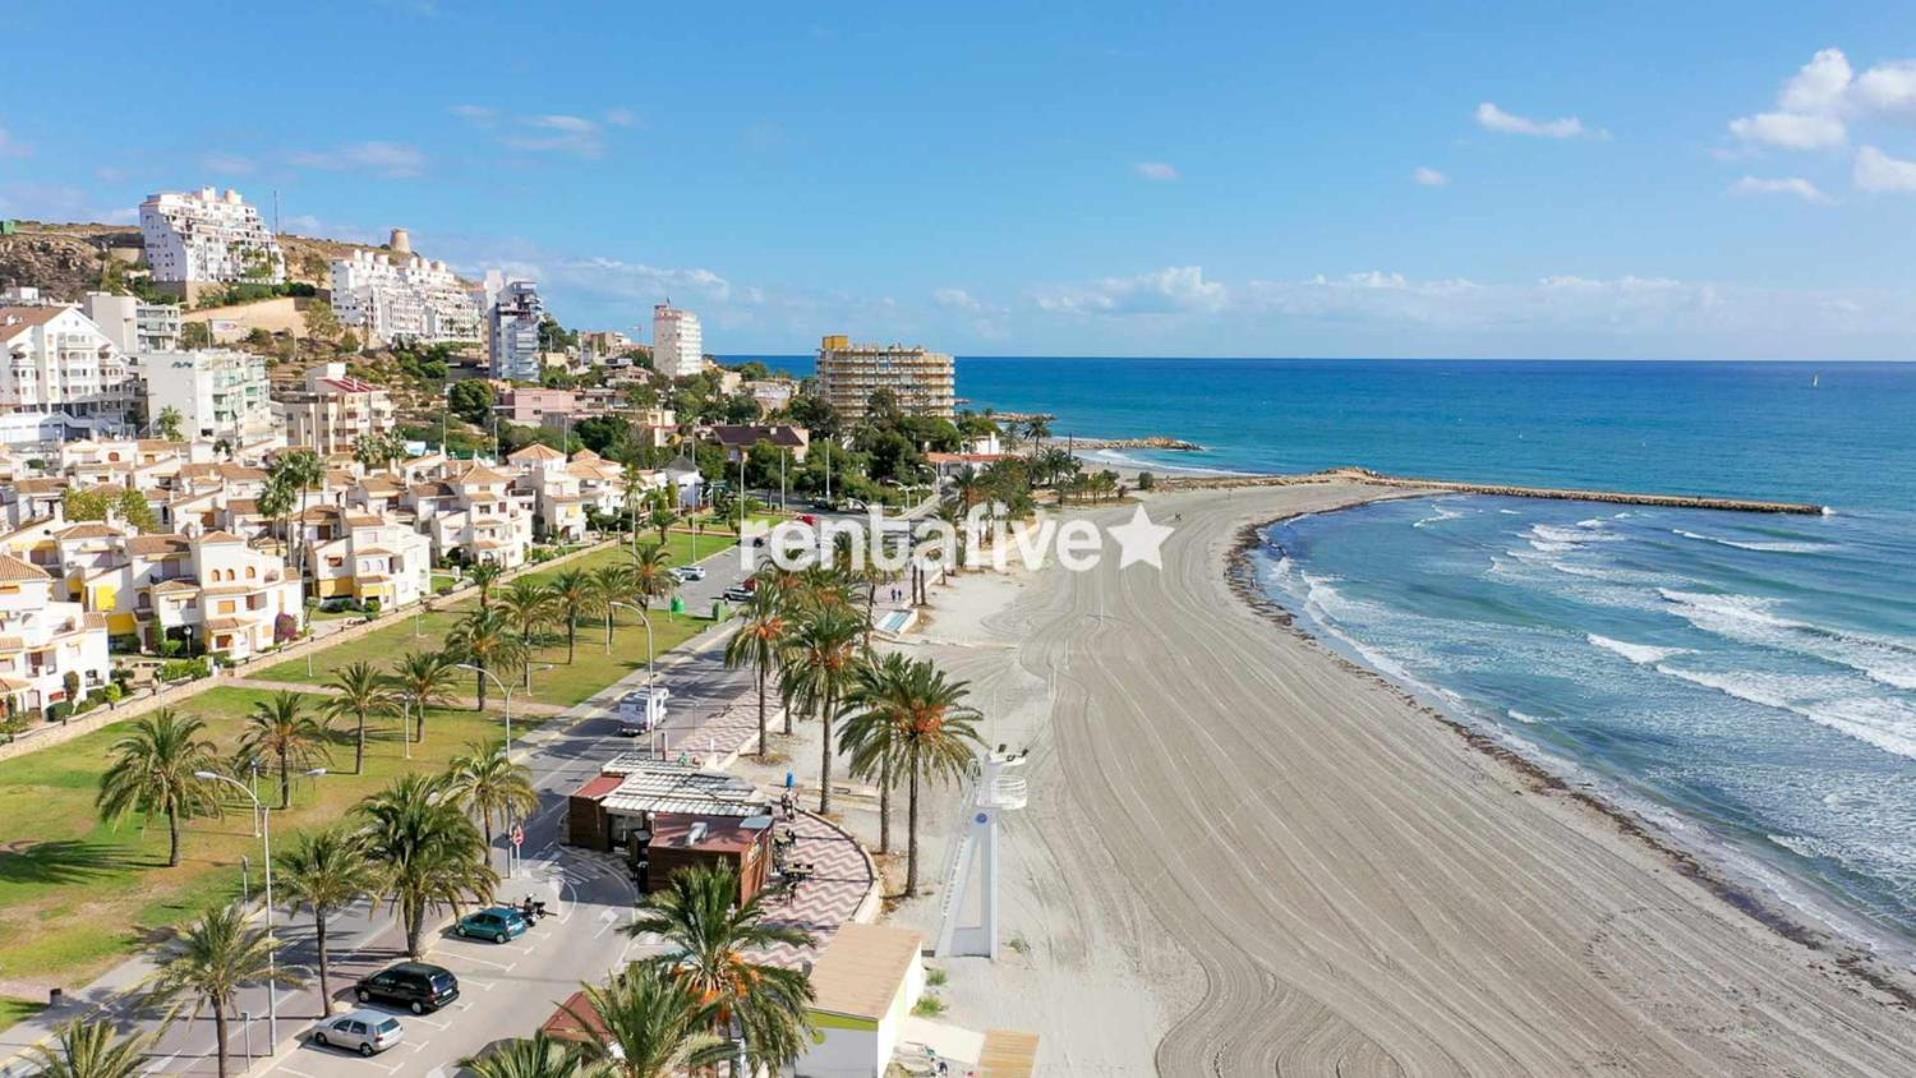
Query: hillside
65,260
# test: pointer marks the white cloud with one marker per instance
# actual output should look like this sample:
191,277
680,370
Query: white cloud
1173,290
227,164
1156,171
1790,130
1878,171
1492,118
1426,176
390,159
558,133
1889,88
1792,185
1820,86
621,117
956,299
481,115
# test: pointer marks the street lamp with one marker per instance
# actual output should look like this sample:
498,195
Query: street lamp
503,687
266,842
646,621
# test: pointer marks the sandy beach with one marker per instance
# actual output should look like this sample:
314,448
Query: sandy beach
1242,856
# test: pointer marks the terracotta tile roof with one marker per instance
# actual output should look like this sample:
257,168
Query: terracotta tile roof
430,489
40,486
15,320
12,568
91,529
238,473
150,545
221,537
535,451
586,454
479,473
169,587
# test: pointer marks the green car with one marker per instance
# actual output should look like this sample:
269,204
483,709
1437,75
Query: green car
498,924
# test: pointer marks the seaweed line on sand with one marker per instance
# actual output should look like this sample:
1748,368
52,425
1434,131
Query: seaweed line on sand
1241,574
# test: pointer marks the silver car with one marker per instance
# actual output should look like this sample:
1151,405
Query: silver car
364,1031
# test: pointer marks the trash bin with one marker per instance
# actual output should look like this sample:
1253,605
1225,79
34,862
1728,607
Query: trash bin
678,604
720,611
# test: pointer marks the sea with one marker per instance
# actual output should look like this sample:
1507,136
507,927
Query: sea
1746,682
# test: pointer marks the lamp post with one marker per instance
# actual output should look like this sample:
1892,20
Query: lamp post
503,687
646,621
266,842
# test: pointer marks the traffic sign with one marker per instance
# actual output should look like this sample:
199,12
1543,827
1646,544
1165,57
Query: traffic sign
518,836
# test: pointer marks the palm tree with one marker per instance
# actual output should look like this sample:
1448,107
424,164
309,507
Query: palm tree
759,643
485,639
661,518
818,669
651,574
610,585
276,501
422,679
573,592
325,872
167,423
281,728
155,768
215,957
486,783
647,1023
908,718
428,854
538,1056
90,1049
528,608
299,471
708,931
362,693
486,574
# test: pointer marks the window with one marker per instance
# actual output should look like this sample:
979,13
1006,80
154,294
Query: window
227,606
252,572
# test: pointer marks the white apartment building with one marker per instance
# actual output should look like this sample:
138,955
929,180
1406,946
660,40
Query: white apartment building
133,324
220,393
210,590
474,516
513,331
205,237
42,640
848,374
678,344
335,410
354,553
415,299
60,377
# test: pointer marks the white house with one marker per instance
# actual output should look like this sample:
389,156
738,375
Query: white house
43,641
474,516
133,324
210,589
417,299
353,553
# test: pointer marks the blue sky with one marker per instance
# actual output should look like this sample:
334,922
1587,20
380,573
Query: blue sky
1632,180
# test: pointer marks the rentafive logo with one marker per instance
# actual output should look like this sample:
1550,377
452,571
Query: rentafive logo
983,537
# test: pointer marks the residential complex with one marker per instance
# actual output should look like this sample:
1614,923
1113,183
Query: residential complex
50,651
60,377
133,324
204,237
513,337
357,554
920,380
335,410
415,299
678,345
221,394
210,590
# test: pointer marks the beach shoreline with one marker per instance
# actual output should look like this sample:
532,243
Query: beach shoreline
1242,849
1854,955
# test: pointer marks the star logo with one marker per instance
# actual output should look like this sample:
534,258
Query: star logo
1139,540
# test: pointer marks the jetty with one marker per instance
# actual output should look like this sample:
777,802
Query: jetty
1444,486
1154,441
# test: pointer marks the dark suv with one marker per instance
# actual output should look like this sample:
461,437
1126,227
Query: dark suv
415,986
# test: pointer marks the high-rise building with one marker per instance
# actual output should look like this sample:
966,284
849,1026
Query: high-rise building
60,377
678,345
513,336
920,380
204,237
133,324
219,393
416,298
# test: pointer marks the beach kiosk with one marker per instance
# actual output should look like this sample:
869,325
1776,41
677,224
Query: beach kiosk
864,985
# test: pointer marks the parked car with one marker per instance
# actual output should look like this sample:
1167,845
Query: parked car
737,594
689,573
363,1031
495,923
417,986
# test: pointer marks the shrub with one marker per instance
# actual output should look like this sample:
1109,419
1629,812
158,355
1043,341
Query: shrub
371,607
112,692
1146,481
170,648
60,712
123,643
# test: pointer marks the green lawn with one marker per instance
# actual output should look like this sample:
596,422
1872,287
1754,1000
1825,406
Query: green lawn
77,895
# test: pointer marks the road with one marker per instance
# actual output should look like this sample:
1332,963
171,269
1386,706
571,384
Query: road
505,990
